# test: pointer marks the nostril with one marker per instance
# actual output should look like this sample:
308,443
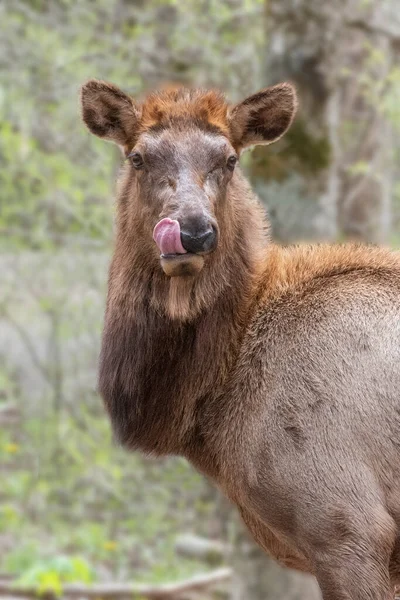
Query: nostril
206,235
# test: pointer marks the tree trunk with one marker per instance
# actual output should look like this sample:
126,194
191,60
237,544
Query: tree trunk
330,174
298,177
365,61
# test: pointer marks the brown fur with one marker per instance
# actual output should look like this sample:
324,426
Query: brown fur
162,108
275,371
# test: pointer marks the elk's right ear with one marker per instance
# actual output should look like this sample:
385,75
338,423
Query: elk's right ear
109,113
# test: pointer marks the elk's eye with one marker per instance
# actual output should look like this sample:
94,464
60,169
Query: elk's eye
231,162
136,160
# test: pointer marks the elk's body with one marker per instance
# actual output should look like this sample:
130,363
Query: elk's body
275,371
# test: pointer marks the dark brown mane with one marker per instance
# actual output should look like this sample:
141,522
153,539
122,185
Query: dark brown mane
170,342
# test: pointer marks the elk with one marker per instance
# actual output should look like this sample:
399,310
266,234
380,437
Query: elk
274,370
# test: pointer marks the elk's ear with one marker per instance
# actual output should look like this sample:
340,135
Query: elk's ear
108,112
264,117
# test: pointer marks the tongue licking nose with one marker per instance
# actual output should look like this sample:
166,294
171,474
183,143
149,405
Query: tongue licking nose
167,236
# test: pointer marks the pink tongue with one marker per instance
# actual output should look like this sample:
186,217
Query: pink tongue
167,236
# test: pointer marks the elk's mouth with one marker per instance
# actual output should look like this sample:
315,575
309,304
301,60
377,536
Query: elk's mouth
175,260
182,265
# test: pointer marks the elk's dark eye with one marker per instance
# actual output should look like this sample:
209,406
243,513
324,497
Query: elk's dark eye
136,160
231,162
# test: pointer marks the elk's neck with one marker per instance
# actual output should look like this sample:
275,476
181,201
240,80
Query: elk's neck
160,366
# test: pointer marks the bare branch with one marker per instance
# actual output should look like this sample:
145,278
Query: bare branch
121,590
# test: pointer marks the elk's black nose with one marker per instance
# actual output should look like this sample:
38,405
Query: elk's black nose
199,240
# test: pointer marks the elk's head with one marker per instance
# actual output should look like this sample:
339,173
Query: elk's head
182,147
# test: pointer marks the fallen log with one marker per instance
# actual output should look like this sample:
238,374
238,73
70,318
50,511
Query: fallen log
111,591
212,552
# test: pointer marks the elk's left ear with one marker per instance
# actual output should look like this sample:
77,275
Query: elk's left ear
264,117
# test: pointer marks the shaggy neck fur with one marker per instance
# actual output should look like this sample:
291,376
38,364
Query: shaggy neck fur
169,344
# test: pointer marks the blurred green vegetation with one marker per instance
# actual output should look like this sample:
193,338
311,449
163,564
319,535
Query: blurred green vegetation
73,506
80,497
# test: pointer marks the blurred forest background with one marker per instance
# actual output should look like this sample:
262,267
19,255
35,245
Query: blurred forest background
73,507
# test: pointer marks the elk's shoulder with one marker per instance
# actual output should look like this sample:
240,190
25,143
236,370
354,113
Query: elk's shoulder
331,285
292,269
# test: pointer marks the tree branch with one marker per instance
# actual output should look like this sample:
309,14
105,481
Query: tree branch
121,590
212,552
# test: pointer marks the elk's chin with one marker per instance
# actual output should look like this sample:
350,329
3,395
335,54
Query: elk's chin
182,265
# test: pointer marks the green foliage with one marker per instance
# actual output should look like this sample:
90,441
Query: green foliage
50,575
43,193
67,490
82,475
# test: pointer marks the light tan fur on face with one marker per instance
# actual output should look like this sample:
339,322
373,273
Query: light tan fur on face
179,295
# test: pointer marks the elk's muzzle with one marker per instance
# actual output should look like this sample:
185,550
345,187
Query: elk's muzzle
181,251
